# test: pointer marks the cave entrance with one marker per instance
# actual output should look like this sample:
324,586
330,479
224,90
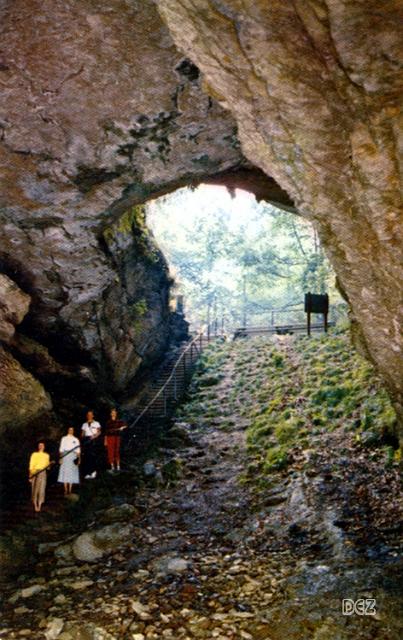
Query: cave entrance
236,261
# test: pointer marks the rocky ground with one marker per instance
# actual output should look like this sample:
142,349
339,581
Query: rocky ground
209,544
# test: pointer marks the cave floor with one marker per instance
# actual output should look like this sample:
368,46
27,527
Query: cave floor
210,559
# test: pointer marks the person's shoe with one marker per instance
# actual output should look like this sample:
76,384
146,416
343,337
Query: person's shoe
111,470
118,467
87,476
94,474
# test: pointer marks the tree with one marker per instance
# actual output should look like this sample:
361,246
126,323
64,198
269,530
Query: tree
242,260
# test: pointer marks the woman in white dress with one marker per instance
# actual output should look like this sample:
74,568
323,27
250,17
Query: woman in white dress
70,455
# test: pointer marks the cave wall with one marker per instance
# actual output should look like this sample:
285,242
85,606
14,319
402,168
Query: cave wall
99,111
18,388
315,88
104,107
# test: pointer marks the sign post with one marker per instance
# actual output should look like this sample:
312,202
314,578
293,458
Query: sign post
316,303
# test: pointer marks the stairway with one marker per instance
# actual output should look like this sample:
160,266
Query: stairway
170,381
156,403
149,415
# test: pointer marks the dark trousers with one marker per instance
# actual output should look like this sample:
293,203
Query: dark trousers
90,455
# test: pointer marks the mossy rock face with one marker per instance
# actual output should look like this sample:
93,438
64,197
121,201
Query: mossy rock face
287,432
292,392
172,471
208,380
276,459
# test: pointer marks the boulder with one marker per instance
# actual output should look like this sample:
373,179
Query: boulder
28,592
90,546
180,432
22,397
79,585
14,305
54,628
121,512
149,469
168,565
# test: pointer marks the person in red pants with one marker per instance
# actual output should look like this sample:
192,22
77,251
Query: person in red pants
114,427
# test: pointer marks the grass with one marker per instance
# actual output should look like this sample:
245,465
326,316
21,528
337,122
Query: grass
292,391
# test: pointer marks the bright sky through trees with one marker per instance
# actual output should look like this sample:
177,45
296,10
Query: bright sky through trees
234,257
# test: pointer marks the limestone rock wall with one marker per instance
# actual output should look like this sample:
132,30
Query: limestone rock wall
99,112
22,397
14,305
315,86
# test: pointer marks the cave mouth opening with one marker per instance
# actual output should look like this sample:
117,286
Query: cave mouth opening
236,261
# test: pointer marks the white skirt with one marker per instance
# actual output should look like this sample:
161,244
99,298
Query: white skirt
68,471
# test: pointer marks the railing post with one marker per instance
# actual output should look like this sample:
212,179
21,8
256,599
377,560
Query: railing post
208,333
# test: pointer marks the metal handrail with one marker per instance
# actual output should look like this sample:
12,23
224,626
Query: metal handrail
148,406
199,336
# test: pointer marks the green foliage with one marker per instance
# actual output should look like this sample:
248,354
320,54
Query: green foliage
132,225
172,471
288,391
278,360
330,388
238,263
287,432
330,395
208,380
276,459
138,309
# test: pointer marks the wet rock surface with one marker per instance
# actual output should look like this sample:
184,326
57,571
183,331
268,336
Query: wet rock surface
102,112
208,557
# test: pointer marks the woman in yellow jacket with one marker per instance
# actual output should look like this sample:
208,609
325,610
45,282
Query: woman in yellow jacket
37,476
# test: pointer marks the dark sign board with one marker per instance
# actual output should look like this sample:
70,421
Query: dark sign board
316,303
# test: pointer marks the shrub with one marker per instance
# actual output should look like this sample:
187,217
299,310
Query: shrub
208,380
276,459
287,432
